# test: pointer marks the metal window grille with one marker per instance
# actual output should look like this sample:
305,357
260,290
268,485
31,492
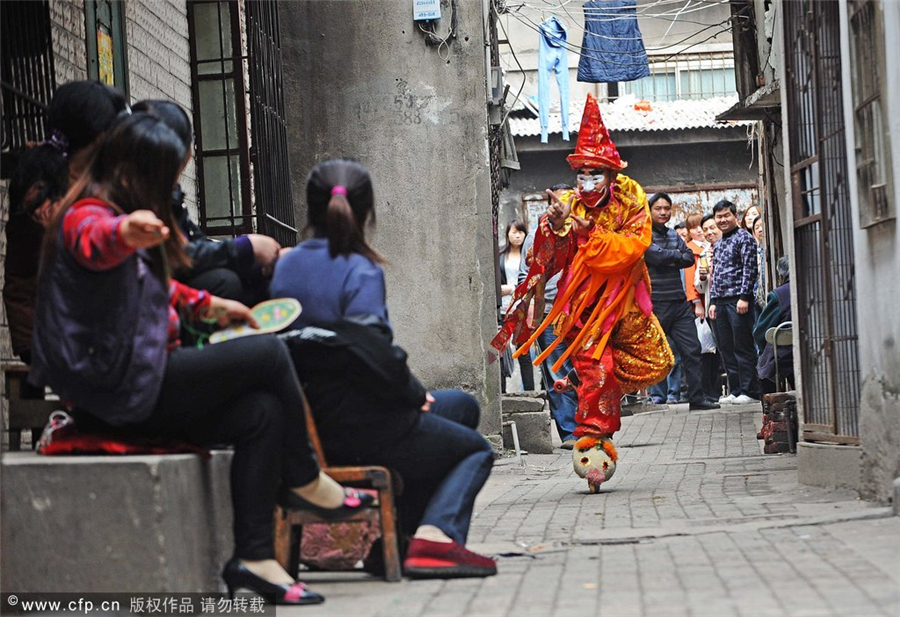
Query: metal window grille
823,228
872,139
220,117
105,42
690,76
269,152
27,74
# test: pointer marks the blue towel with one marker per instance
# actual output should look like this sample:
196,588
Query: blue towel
613,49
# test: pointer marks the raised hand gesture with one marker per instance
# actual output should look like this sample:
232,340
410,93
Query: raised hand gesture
142,229
558,212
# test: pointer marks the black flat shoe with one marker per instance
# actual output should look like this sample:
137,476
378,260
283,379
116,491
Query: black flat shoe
704,405
354,501
238,576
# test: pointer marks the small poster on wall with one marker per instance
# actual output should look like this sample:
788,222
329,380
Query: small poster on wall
426,9
105,57
534,205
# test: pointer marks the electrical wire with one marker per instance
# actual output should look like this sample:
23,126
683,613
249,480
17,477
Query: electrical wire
516,14
432,37
586,32
521,70
535,25
771,40
581,51
609,15
677,15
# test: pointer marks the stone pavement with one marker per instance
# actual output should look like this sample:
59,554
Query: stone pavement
696,522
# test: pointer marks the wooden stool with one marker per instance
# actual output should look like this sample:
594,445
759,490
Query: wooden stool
288,523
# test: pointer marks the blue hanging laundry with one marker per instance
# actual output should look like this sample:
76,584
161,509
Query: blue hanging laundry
553,57
613,48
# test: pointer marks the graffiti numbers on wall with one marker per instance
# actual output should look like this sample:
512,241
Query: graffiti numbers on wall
408,107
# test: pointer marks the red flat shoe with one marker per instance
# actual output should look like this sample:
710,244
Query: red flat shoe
426,559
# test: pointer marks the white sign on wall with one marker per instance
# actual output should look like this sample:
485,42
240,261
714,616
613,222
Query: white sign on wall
426,9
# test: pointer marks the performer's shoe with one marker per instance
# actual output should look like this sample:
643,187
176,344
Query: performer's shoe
704,404
426,559
568,444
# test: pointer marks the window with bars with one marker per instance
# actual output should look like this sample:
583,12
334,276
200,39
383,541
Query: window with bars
689,77
105,41
26,75
823,222
872,138
220,117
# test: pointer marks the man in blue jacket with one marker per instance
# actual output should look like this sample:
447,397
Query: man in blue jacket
731,295
666,256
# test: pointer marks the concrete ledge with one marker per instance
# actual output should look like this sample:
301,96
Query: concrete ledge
532,418
110,523
828,465
896,497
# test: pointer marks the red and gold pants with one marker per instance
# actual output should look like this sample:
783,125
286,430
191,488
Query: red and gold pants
636,356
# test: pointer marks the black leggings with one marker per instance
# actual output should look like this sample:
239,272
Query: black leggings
244,393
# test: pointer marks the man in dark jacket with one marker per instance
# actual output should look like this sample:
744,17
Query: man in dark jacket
666,256
234,268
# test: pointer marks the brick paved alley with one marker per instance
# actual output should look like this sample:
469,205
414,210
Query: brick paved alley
696,522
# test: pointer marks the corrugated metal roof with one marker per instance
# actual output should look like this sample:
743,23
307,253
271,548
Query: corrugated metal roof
622,115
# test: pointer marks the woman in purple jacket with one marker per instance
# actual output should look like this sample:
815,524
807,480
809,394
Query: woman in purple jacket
106,339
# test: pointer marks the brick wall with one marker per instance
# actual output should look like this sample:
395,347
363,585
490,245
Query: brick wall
159,63
158,52
67,29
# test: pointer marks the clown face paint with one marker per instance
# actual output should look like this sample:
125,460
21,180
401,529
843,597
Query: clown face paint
593,186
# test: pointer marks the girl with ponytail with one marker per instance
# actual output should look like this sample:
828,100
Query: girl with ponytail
428,438
106,338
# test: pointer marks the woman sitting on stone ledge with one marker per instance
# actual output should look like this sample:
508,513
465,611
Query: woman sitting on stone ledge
107,340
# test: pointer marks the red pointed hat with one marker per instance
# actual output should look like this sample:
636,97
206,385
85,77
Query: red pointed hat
594,147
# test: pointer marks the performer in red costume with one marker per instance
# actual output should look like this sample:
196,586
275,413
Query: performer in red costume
596,235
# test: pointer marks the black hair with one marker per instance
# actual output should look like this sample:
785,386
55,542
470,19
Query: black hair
680,225
41,174
172,114
518,224
82,110
562,186
657,196
137,164
724,204
341,215
707,217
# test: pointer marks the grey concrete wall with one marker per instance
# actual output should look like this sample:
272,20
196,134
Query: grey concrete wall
877,252
359,81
